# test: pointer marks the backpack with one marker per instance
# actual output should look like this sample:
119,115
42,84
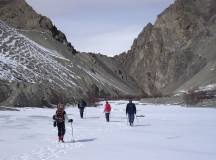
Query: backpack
107,108
83,104
60,115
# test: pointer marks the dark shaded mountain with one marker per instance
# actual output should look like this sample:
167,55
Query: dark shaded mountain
178,52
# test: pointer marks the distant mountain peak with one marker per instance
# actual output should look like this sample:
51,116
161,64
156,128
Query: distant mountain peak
18,14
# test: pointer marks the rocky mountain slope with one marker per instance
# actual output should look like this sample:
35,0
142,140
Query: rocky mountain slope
39,66
178,52
18,14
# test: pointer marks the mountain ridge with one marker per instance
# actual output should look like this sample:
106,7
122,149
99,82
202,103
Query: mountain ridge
12,11
37,67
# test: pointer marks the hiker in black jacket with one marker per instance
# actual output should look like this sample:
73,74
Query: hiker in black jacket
81,105
131,112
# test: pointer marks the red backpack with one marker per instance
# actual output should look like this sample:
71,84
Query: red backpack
107,107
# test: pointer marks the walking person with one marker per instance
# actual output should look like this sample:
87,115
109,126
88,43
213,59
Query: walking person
131,112
60,117
81,105
107,109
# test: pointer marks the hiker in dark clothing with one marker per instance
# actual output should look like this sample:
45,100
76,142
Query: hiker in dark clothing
131,112
81,107
60,117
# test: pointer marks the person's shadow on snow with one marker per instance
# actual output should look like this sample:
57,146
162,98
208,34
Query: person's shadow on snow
142,125
116,121
91,117
81,140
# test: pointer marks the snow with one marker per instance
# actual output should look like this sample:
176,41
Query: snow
6,74
166,132
23,59
208,87
54,53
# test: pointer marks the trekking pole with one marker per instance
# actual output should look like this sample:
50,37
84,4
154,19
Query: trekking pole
137,119
73,140
110,116
71,121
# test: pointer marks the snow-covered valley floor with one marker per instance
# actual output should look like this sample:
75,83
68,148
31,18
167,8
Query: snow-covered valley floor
165,133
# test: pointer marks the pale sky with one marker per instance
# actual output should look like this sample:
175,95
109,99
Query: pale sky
101,26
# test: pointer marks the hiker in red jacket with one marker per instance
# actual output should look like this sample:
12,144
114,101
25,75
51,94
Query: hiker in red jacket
107,110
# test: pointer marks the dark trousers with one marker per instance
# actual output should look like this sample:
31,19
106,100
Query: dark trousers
131,118
107,116
61,128
81,113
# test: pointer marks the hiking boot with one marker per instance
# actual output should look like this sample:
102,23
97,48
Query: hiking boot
62,139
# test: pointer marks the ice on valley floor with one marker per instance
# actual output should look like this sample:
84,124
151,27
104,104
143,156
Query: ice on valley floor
166,132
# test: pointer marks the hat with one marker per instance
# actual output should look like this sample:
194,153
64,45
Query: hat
60,106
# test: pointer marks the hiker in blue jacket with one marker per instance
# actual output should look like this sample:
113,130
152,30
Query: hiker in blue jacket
131,112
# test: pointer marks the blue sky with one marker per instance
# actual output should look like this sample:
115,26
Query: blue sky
101,26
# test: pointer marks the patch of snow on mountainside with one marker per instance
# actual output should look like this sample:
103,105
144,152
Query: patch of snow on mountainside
22,59
208,87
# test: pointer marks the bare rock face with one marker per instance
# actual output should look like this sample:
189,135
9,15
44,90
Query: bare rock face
12,10
4,91
177,47
18,14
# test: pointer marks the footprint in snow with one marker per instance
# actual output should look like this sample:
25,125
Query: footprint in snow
51,152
